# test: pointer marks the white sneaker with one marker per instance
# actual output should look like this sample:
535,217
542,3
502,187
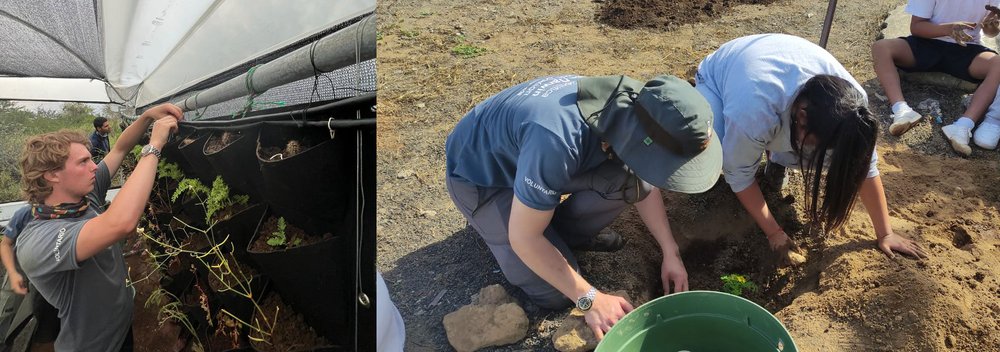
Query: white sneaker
959,138
902,122
987,134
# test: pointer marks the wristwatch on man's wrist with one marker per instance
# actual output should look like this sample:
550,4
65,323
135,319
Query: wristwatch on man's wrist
587,301
149,149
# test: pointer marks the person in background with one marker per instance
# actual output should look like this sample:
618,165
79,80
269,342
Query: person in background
99,143
945,37
45,314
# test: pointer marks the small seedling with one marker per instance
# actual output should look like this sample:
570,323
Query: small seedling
735,284
409,33
464,50
278,239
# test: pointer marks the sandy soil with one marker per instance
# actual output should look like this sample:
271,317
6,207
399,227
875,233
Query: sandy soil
847,297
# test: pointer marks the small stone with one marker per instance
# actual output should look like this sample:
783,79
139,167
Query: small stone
949,341
405,173
574,335
428,213
958,192
421,105
795,259
809,15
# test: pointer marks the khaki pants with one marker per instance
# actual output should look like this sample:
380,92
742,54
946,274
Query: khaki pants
596,198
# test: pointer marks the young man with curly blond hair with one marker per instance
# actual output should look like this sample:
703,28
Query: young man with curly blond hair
71,250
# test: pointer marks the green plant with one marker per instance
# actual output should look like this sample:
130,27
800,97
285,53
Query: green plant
278,239
465,50
214,199
735,284
409,33
168,170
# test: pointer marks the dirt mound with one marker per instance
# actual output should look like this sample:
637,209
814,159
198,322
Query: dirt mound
665,14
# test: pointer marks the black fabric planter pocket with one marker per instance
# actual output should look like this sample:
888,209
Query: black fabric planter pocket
172,154
191,148
240,229
235,160
316,280
313,188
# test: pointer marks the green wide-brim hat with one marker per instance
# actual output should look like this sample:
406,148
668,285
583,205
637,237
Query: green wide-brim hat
662,130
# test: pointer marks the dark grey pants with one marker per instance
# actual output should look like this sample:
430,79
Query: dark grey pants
596,198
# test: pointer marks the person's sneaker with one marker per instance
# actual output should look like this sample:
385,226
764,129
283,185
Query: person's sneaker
606,241
959,138
986,135
902,122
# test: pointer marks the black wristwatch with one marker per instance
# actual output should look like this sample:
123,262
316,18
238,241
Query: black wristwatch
149,149
587,301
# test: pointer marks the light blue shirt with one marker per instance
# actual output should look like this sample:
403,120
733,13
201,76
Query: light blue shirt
751,82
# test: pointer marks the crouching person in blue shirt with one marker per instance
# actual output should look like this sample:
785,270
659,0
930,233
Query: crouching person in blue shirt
606,142
71,252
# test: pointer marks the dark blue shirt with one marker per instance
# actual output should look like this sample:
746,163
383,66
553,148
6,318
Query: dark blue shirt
99,146
16,223
530,137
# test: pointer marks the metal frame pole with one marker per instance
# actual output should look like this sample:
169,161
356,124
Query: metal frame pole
345,47
827,23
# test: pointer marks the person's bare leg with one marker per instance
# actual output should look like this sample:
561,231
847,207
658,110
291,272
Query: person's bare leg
887,55
986,66
983,109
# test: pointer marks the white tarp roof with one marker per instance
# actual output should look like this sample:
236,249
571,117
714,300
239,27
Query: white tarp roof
159,47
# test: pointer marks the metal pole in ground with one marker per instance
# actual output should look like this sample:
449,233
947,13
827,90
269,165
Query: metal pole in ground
827,23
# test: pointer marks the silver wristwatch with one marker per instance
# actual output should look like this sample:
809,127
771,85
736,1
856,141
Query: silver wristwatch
149,149
587,301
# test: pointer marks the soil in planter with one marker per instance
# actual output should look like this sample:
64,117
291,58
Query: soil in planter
291,333
218,142
292,234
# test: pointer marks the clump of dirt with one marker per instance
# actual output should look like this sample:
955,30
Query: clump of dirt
665,14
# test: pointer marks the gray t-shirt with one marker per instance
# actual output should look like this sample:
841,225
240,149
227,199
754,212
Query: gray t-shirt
95,306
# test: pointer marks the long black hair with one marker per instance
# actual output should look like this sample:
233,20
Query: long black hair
837,115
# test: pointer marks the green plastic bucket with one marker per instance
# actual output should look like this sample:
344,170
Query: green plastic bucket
698,321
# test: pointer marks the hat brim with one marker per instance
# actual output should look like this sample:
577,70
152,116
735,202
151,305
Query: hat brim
664,168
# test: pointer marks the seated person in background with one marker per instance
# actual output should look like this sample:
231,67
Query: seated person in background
946,38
